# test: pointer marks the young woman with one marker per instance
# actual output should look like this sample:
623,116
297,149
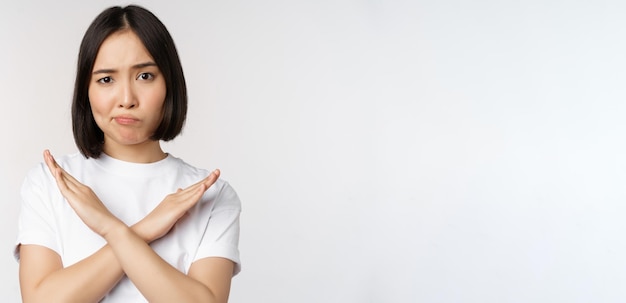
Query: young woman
123,221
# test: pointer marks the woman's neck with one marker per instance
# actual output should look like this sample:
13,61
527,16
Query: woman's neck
146,152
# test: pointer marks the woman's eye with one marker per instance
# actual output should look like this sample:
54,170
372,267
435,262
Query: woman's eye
145,76
105,80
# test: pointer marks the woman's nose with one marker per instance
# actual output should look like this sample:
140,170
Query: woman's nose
128,99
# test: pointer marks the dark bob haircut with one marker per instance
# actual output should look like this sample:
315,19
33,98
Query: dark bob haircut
88,136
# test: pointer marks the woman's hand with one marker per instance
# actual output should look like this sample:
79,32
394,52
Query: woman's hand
82,199
162,218
99,219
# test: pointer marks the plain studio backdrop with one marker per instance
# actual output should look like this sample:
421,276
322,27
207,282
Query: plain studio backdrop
384,151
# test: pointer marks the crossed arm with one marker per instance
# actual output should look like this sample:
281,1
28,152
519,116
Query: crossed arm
43,278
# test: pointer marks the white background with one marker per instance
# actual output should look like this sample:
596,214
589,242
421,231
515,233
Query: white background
384,151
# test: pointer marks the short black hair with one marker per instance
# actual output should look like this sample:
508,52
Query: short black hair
155,37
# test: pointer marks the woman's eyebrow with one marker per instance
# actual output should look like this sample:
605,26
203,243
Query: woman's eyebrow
104,71
136,66
145,64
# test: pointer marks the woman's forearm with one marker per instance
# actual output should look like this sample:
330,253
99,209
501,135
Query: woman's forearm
88,280
156,279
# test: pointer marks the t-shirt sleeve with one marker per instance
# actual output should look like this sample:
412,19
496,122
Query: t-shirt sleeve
221,236
36,217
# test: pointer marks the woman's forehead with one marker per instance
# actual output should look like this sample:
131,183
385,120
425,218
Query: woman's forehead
122,49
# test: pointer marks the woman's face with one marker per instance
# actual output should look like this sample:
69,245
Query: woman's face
126,91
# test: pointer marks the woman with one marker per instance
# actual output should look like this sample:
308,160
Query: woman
123,221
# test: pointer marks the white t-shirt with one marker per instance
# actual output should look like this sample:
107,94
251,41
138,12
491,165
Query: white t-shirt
130,191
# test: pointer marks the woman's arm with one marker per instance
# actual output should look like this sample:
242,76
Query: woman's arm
208,279
155,278
216,273
43,278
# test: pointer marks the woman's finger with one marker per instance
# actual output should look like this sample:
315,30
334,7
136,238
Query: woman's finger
70,181
49,162
213,176
189,193
191,197
206,182
195,191
67,184
67,176
54,170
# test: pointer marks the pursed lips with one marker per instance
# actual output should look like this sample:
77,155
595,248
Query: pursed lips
125,119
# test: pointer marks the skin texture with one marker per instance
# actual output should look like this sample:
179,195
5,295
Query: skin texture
126,94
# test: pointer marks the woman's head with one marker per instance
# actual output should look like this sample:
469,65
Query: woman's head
158,42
